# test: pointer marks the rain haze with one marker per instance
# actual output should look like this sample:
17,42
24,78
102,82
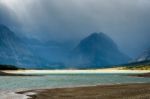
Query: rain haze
127,22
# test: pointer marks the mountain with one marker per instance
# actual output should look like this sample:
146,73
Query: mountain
14,51
53,51
145,56
96,50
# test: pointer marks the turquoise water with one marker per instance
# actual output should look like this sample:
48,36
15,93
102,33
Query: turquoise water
66,80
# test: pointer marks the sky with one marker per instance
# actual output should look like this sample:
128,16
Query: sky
127,22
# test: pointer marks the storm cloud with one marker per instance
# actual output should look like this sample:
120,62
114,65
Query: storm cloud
126,21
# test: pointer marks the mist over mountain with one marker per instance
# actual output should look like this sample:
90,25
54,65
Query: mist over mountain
97,50
52,51
14,51
127,22
145,56
31,53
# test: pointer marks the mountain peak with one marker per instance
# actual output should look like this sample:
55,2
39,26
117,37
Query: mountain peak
3,27
97,35
98,50
5,31
97,40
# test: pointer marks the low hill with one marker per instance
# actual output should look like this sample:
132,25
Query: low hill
9,67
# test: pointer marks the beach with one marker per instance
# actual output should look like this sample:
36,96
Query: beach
107,70
120,91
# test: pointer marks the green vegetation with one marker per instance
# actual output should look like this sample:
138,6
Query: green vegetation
140,67
144,65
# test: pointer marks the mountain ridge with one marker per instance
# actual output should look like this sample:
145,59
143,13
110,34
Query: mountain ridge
13,51
145,56
95,50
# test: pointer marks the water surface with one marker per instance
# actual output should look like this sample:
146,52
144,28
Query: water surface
65,80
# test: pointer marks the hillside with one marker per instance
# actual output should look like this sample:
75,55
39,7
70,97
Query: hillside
94,51
9,67
144,65
14,51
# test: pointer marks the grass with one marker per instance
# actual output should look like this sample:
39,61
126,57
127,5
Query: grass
143,65
140,67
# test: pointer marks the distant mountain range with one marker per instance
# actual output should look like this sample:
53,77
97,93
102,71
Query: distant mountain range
95,51
14,51
145,56
141,62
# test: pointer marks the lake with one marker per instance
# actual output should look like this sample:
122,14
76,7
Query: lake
65,80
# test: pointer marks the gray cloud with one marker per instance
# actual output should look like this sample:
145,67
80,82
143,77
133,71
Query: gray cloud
126,21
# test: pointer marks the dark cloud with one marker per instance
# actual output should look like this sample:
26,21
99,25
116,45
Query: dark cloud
126,21
5,16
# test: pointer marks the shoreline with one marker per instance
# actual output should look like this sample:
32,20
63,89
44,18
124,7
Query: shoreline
133,90
40,72
73,92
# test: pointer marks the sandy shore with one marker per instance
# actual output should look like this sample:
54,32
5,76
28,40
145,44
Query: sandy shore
126,91
109,70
